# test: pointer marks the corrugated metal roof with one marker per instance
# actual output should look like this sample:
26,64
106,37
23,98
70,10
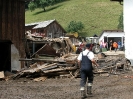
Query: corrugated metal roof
36,23
43,24
40,24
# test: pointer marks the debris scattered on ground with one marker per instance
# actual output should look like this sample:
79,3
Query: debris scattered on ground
67,66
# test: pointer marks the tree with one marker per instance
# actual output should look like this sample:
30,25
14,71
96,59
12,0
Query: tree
32,6
120,25
42,4
75,27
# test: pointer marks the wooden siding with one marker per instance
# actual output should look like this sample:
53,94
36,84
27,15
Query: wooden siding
12,23
27,28
53,28
58,31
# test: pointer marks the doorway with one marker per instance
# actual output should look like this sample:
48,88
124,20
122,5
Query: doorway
5,55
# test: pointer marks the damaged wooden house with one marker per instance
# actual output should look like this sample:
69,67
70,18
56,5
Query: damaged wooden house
49,28
39,32
47,50
51,57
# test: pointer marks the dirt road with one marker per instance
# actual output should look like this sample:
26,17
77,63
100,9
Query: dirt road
104,87
118,86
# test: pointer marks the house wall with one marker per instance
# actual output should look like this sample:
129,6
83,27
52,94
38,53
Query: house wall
51,29
15,64
55,30
115,35
27,28
12,23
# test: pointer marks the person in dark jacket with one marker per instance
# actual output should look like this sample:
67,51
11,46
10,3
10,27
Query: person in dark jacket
85,60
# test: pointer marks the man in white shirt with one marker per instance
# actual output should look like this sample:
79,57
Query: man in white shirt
85,60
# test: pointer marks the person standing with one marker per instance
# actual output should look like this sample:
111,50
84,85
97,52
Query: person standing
119,45
85,60
82,46
101,44
110,45
115,45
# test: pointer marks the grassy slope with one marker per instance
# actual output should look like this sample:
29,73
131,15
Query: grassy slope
96,15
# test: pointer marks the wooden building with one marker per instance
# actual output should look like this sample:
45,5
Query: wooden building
12,33
49,28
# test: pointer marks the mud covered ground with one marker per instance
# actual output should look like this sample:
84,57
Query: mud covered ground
104,87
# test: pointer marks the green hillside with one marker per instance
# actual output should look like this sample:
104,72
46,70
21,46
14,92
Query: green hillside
96,15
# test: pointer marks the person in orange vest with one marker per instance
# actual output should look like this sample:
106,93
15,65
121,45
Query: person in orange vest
115,45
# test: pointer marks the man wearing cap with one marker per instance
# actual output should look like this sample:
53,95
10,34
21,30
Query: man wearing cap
85,60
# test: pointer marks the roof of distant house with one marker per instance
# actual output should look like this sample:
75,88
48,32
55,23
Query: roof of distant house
43,24
111,31
40,24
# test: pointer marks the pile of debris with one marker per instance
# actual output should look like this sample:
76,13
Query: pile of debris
47,56
55,58
61,66
48,46
67,66
112,64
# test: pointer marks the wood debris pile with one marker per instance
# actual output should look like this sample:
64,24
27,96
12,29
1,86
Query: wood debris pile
67,66
56,58
48,46
63,66
112,64
48,57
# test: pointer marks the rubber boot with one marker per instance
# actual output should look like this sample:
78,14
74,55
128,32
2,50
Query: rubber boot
89,92
83,95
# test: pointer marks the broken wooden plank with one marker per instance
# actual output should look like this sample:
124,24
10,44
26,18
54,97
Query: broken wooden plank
44,60
47,68
108,67
65,76
65,65
71,74
33,65
60,69
48,65
15,76
40,79
76,73
37,69
25,59
38,50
